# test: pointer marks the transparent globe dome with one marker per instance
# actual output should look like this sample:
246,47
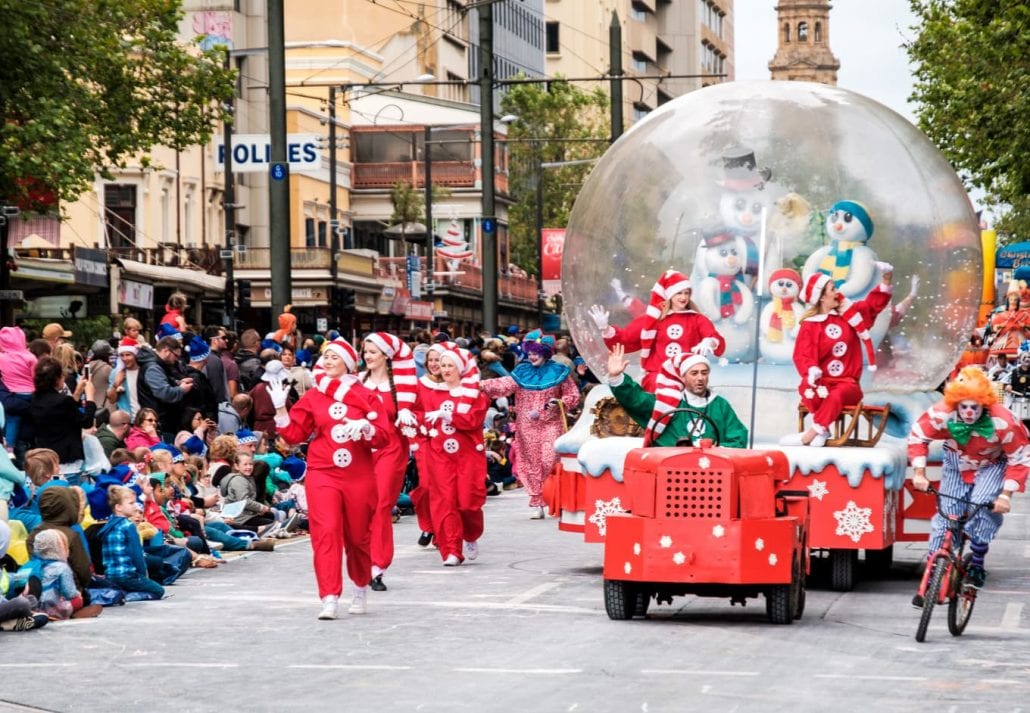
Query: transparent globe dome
761,164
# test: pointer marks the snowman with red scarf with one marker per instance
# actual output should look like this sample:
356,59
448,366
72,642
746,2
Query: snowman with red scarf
723,294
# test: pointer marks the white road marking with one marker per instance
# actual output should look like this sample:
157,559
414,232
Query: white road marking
522,671
181,664
42,664
532,593
869,678
350,667
1010,619
1026,551
695,672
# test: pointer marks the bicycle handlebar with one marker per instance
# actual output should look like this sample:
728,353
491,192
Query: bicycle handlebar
977,506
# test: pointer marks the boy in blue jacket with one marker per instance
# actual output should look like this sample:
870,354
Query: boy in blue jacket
122,551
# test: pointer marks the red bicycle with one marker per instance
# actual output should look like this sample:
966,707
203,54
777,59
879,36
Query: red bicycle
945,577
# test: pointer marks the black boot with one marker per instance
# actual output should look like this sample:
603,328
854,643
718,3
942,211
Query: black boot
377,584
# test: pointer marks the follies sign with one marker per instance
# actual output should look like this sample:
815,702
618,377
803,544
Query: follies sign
552,245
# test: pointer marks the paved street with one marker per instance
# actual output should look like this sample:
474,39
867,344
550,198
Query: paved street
523,629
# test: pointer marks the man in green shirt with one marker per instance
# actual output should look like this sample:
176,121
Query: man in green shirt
683,383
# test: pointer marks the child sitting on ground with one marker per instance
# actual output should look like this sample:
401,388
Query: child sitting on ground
16,605
124,564
498,465
49,562
238,486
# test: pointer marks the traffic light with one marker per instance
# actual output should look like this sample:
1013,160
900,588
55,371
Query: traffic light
243,289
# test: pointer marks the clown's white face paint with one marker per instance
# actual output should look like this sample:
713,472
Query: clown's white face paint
969,411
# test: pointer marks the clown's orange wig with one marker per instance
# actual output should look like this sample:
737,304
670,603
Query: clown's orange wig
971,384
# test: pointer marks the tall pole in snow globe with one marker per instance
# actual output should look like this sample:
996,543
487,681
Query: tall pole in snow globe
759,296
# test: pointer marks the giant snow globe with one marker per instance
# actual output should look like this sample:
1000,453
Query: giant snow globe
744,187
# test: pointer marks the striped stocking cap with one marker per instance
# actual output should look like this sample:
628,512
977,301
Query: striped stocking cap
813,290
468,391
671,282
336,388
669,389
402,364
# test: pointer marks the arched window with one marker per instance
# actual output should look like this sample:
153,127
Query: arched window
818,32
802,32
786,32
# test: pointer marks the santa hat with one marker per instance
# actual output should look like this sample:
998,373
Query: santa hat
669,389
784,273
813,290
671,282
344,350
198,349
128,344
468,391
166,330
402,366
336,389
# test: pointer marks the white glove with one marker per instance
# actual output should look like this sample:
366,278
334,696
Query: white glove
441,415
914,290
706,347
600,316
814,373
357,428
405,418
616,284
279,393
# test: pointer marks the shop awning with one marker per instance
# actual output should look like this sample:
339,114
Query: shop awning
189,280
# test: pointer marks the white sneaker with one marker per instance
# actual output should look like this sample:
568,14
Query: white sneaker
820,440
537,514
357,605
451,561
793,439
471,550
212,545
329,604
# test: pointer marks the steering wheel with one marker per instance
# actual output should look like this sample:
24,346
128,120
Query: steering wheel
650,438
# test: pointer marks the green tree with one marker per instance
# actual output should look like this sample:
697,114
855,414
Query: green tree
972,92
559,122
85,85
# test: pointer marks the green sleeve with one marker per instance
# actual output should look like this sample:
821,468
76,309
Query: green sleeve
638,403
732,431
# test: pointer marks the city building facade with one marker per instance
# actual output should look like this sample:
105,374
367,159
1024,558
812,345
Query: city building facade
803,43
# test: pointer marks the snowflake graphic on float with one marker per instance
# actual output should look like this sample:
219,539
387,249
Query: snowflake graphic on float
773,559
853,521
718,531
602,509
818,489
665,542
704,462
679,558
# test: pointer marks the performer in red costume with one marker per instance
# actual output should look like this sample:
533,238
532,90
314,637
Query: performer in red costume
391,374
452,422
828,352
670,326
420,498
346,421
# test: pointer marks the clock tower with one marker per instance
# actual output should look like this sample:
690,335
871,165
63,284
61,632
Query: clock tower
803,54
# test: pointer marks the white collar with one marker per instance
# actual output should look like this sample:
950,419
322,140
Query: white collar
698,401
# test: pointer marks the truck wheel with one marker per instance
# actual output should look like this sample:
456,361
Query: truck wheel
842,569
778,602
878,562
643,601
620,599
802,584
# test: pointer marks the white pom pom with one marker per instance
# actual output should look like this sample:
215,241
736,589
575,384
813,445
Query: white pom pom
371,415
872,367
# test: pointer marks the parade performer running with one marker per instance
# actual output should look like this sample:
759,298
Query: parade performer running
346,421
986,457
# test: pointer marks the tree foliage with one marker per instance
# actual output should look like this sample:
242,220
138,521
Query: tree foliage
557,122
85,85
972,91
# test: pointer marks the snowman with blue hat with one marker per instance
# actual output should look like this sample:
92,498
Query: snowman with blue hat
847,260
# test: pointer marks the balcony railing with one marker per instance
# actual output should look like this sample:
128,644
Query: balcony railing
450,174
308,259
203,258
522,289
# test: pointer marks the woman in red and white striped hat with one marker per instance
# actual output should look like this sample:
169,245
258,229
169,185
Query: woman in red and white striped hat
452,423
390,373
345,422
828,353
671,325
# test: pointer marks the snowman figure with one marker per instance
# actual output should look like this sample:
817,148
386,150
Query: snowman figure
847,260
723,296
780,318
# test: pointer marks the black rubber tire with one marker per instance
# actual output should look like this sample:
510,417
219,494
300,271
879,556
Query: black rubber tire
879,562
781,601
642,602
960,606
933,591
620,599
843,564
799,607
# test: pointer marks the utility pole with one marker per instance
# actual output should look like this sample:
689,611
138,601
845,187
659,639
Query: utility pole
615,72
334,223
486,129
279,185
428,179
229,209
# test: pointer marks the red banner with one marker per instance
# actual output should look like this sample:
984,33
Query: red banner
552,246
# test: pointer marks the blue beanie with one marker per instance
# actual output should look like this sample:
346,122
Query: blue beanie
859,211
271,344
97,496
295,467
303,357
177,456
245,435
167,330
198,349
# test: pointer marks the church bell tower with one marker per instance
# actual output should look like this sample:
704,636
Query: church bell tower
803,52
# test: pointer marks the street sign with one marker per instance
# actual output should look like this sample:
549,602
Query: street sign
252,153
11,295
278,171
225,254
489,225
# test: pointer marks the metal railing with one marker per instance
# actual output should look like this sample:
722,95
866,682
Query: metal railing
521,289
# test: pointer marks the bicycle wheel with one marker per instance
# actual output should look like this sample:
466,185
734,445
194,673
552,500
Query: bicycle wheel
933,592
960,606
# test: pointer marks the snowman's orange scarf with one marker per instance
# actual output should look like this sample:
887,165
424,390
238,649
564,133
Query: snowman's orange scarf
782,318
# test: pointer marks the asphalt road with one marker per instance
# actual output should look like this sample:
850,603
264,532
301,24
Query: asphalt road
523,628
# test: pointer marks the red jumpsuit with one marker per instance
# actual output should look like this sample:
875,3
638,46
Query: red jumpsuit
389,463
827,341
340,481
420,495
456,458
677,332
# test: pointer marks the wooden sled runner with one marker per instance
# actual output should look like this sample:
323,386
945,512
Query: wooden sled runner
852,423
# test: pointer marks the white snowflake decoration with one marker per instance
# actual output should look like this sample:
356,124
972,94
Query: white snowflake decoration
818,489
772,559
665,542
769,461
759,544
718,531
679,558
636,548
602,510
628,568
704,462
853,521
